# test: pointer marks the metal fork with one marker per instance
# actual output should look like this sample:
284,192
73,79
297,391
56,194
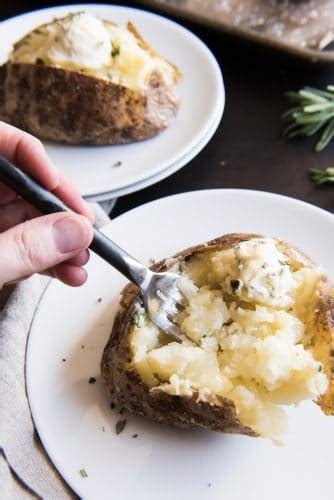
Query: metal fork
162,297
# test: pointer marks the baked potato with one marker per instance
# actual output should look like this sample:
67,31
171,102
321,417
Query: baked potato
258,335
83,80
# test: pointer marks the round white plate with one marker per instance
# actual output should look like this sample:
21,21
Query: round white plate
73,417
202,93
165,173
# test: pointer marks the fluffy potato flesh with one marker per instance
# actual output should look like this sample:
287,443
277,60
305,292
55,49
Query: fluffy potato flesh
86,44
248,334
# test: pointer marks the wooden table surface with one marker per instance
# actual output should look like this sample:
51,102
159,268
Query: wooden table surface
247,150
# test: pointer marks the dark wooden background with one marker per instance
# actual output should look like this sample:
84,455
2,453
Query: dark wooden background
247,150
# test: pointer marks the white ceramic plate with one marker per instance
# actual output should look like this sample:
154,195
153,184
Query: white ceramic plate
202,92
73,417
164,173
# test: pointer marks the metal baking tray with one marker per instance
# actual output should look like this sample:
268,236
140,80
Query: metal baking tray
306,54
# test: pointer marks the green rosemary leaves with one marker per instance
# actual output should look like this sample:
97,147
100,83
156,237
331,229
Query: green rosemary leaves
312,112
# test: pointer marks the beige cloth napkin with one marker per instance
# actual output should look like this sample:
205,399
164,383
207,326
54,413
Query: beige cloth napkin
25,469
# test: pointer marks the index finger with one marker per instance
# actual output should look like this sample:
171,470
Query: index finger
28,153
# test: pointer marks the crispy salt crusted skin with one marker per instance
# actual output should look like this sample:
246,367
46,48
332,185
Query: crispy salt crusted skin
128,390
68,106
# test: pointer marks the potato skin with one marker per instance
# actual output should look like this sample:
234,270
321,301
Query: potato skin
67,106
324,339
127,389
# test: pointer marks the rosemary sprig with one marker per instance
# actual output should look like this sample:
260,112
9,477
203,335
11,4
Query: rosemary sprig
322,176
313,111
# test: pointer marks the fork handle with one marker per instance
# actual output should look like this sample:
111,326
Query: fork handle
48,203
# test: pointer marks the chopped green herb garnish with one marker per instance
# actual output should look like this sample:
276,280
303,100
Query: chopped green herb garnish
138,320
103,428
228,323
92,380
117,163
135,435
70,15
120,426
83,473
284,262
319,368
235,285
264,265
115,50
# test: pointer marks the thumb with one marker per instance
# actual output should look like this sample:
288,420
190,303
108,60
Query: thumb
41,243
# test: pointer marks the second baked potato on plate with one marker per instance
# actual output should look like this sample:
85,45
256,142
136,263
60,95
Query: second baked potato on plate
100,83
84,80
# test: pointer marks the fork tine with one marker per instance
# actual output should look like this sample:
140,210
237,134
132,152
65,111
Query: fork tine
164,300
177,298
168,326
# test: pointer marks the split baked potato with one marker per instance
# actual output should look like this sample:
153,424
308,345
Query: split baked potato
258,335
83,80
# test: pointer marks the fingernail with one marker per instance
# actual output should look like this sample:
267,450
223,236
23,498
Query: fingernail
69,234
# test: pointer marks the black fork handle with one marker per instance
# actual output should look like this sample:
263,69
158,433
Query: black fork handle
47,203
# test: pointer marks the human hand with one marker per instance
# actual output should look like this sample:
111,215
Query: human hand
30,243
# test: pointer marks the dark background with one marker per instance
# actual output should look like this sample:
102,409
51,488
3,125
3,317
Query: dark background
247,150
